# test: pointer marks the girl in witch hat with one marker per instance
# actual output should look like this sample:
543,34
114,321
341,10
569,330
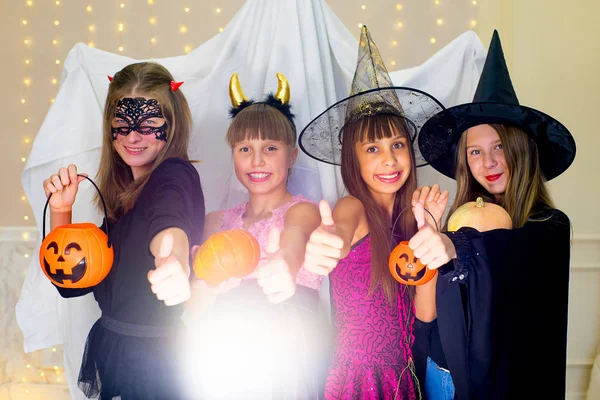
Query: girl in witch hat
371,134
261,331
155,209
500,291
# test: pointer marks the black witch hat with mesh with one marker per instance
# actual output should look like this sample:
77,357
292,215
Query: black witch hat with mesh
495,102
372,93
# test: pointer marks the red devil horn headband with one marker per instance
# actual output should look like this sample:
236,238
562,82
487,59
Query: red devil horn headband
174,85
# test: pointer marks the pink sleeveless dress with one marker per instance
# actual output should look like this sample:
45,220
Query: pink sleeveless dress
277,348
372,337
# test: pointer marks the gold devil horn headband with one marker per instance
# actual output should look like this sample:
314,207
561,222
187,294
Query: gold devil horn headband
236,94
280,100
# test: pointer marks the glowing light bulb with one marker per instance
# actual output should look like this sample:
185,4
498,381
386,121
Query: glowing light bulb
473,23
88,9
122,5
23,101
56,62
153,40
91,44
220,29
121,27
398,6
187,9
440,21
187,49
92,28
121,48
56,23
363,7
183,29
360,25
26,255
395,43
393,62
55,42
24,22
433,40
152,20
23,159
29,3
54,81
27,62
27,81
218,11
26,120
23,198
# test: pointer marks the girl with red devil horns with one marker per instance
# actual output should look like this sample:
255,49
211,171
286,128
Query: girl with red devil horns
155,209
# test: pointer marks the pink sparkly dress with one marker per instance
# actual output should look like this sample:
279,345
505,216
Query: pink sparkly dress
278,351
372,337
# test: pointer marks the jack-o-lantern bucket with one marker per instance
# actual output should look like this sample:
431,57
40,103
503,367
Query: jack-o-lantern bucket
76,256
404,266
408,269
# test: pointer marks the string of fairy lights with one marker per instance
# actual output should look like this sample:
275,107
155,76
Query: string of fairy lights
439,23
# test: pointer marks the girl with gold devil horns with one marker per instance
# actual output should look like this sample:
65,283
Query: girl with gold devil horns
261,334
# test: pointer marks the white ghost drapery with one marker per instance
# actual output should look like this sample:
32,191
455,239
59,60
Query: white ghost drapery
302,39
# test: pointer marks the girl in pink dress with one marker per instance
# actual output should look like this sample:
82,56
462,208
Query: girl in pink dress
371,135
263,327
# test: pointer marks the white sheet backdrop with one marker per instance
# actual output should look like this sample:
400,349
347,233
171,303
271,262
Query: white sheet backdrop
301,38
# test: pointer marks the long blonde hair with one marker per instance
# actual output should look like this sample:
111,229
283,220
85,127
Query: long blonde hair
380,225
115,178
526,191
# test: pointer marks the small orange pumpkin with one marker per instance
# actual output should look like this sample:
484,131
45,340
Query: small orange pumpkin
76,256
226,254
408,269
479,215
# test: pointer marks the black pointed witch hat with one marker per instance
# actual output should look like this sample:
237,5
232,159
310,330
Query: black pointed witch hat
372,93
495,102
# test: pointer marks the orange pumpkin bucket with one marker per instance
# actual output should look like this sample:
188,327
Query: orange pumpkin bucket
76,256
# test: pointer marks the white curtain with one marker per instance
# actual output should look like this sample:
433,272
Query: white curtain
302,39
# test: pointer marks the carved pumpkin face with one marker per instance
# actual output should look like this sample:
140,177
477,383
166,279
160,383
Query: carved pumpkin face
226,254
76,256
408,269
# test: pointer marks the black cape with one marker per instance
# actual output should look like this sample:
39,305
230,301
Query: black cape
502,310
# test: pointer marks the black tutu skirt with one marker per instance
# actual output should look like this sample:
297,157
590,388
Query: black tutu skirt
249,348
131,362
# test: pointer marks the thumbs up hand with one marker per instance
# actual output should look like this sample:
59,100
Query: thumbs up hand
169,280
433,248
275,276
324,248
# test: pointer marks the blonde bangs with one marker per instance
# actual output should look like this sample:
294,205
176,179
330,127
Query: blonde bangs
261,121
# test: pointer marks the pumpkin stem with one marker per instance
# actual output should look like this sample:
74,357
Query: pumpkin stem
479,202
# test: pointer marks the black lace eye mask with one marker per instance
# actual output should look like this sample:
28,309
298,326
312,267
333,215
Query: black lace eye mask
135,111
